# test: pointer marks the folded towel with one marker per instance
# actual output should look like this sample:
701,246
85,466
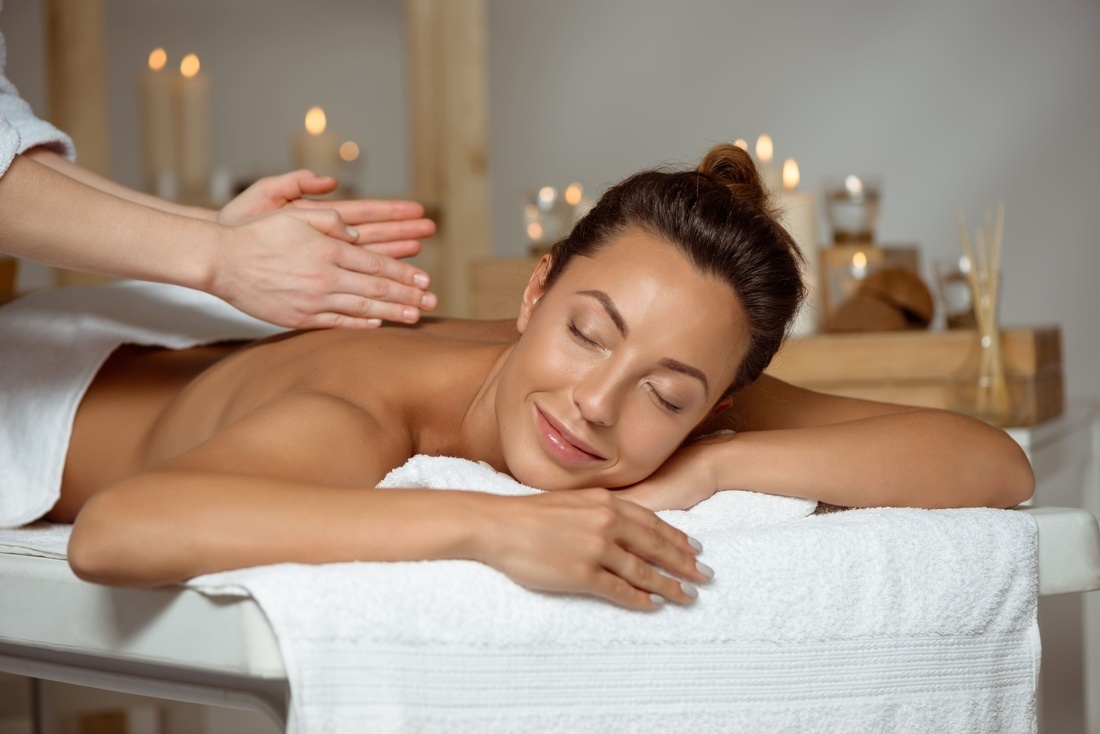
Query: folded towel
863,620
54,342
725,510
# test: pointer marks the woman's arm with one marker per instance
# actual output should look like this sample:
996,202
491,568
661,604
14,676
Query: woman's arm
854,453
291,482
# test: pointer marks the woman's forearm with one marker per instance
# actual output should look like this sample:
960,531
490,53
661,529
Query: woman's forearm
919,458
64,166
161,527
51,218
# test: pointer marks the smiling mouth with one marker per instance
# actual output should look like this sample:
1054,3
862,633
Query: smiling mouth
561,444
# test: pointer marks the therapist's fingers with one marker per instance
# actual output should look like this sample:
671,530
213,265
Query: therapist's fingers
367,262
362,211
397,250
329,222
410,229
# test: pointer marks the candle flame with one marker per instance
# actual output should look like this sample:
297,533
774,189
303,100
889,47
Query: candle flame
534,231
349,151
764,148
547,194
190,65
316,121
790,175
573,194
853,185
859,260
740,143
157,59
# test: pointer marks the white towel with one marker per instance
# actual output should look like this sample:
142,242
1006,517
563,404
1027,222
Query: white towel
866,620
51,346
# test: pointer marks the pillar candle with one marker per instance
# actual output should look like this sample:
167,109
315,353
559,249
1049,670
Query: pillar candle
769,172
157,123
316,149
798,215
192,97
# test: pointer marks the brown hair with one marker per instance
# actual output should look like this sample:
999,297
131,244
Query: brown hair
720,216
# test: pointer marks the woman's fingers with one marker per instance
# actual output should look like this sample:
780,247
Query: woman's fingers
644,581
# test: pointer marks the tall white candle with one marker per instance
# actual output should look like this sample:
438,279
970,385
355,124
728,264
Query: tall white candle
799,217
193,131
316,149
157,124
769,172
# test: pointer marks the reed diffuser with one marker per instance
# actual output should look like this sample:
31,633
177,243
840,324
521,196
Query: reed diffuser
982,388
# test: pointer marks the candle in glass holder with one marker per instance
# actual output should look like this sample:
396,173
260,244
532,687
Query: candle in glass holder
192,98
769,172
851,205
798,215
157,123
316,149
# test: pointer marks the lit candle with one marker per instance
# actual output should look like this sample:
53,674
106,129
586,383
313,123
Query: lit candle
769,172
157,123
798,215
316,149
193,131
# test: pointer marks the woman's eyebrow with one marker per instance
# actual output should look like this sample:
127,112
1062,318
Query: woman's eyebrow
620,324
609,306
686,369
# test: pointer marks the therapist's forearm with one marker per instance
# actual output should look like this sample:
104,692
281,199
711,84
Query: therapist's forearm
63,165
48,217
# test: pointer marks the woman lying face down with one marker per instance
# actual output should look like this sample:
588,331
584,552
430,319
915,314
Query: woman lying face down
652,321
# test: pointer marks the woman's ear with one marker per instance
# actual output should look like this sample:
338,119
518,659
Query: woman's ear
536,288
715,420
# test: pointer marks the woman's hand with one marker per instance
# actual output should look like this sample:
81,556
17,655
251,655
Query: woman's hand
589,541
307,280
683,481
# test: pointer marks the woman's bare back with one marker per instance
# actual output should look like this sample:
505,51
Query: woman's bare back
147,405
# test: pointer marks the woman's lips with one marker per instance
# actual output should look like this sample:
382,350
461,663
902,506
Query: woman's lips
561,444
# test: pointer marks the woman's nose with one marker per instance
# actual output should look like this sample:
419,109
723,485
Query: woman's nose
598,396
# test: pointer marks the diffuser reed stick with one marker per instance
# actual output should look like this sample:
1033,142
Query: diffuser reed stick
992,399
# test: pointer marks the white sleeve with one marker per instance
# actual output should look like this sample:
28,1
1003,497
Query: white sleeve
29,131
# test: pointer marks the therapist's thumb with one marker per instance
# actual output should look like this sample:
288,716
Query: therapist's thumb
328,221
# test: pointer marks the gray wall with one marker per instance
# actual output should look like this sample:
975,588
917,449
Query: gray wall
954,104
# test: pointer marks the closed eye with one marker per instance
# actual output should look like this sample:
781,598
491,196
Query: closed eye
580,335
664,403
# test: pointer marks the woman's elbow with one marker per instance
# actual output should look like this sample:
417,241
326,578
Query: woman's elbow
1015,479
101,548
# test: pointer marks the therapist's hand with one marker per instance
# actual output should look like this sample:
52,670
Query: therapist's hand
385,290
300,267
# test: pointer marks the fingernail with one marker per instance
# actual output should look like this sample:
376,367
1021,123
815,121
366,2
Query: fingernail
353,233
409,314
657,599
704,569
695,544
374,323
689,589
428,300
421,280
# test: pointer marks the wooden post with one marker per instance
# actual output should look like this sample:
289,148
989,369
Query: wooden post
449,115
76,66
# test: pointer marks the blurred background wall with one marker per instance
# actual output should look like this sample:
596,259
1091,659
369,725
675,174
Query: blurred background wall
953,104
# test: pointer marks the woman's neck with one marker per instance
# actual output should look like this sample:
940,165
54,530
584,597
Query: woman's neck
478,430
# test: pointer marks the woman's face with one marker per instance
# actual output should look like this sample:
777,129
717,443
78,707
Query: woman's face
618,361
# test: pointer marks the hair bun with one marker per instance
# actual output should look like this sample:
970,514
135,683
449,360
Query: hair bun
734,167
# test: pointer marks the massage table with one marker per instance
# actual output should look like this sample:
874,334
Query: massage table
179,644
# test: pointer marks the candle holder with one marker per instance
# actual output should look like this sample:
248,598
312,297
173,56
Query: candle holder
851,206
550,214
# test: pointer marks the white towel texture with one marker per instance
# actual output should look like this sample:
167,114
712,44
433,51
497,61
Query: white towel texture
865,620
856,621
